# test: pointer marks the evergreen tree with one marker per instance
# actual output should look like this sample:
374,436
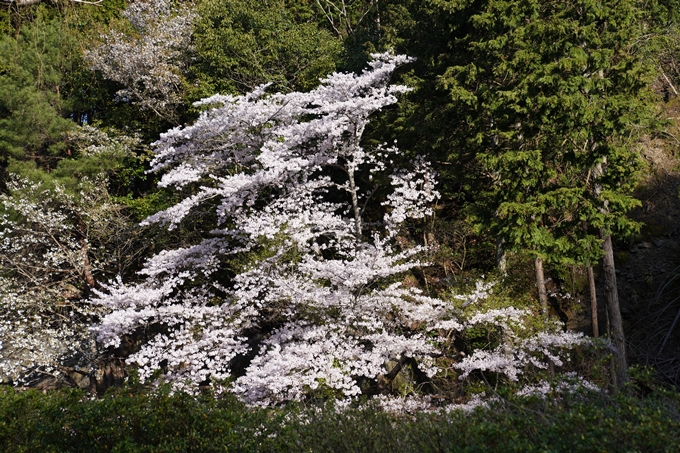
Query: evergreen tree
33,111
46,92
544,104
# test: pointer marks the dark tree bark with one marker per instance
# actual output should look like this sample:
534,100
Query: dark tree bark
593,302
87,268
620,364
85,252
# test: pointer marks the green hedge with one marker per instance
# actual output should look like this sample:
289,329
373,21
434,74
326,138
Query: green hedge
131,420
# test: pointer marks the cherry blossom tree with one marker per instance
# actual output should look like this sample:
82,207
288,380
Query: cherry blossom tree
150,57
59,235
293,291
54,244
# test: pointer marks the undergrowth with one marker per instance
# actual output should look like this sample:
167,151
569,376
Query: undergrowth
646,417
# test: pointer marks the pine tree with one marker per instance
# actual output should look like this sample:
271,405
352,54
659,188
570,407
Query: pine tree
33,112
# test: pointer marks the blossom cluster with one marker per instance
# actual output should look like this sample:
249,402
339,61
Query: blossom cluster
150,59
515,354
92,141
570,384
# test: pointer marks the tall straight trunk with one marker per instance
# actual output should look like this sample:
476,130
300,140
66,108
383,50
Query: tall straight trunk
540,283
593,293
543,298
620,364
376,5
350,151
593,302
614,320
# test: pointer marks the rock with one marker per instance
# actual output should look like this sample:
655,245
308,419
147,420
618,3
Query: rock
49,383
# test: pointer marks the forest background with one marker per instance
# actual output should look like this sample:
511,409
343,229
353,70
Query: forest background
550,126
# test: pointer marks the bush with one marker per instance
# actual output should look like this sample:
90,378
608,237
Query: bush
132,420
124,421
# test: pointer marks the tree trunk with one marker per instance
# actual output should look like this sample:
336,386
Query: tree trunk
84,250
376,5
87,268
593,302
501,261
620,365
540,283
355,201
614,321
26,2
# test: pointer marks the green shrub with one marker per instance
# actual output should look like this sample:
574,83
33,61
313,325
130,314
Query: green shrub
135,420
123,421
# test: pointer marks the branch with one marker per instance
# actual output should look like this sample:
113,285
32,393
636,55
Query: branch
328,16
670,331
397,368
668,81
